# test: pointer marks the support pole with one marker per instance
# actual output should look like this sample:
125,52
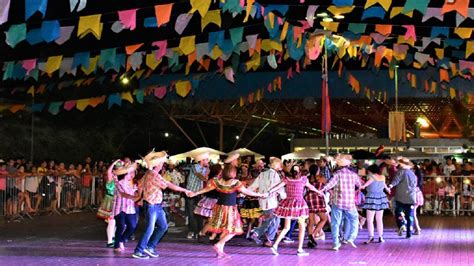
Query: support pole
178,126
241,133
202,134
396,103
32,148
256,136
327,84
221,133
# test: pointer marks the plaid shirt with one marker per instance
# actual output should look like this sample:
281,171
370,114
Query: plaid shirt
123,204
153,185
194,183
344,183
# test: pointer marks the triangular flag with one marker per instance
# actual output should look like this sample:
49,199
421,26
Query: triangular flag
384,3
460,6
89,24
53,64
187,44
130,49
128,18
229,74
82,104
183,88
127,96
469,48
213,16
69,105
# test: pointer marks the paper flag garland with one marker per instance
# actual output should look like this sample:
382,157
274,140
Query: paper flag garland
202,6
187,44
213,16
15,34
128,18
31,6
182,22
89,24
183,88
4,8
163,13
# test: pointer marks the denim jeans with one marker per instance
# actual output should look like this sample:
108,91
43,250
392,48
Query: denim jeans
195,223
351,227
122,221
269,225
292,228
407,218
155,229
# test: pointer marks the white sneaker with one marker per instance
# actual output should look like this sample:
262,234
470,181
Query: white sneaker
351,243
190,235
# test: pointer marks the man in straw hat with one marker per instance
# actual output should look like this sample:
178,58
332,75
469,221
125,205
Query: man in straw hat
233,159
152,186
405,196
344,182
198,174
264,183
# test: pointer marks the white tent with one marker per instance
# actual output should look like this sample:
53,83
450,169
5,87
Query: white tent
303,154
214,155
246,152
415,154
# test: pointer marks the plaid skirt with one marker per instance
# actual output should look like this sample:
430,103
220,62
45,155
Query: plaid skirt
292,208
225,219
316,203
204,207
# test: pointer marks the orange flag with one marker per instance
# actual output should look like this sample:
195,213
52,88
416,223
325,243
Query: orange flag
443,75
460,6
163,13
130,49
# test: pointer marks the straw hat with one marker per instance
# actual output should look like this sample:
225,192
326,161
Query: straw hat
232,157
202,156
154,158
404,162
344,160
125,169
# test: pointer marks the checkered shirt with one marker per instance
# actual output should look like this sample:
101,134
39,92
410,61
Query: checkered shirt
344,183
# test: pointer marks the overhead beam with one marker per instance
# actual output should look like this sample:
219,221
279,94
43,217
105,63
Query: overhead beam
241,133
178,126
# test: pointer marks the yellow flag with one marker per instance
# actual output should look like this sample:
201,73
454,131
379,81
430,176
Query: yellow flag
410,41
332,26
187,44
384,3
89,24
398,10
248,9
151,61
271,18
215,53
82,104
469,48
439,53
213,16
452,93
183,88
268,45
254,62
31,90
127,96
202,6
284,31
413,81
340,10
464,33
53,64
92,65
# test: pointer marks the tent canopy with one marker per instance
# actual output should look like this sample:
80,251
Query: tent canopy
246,152
303,154
214,155
412,153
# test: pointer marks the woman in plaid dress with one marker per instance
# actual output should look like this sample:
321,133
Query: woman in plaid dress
294,207
317,207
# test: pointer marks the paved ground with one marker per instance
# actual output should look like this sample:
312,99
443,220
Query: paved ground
78,239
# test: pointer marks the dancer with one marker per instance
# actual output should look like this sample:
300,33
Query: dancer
206,204
198,174
124,205
375,201
294,207
405,196
152,186
250,210
225,216
106,208
264,182
317,207
344,182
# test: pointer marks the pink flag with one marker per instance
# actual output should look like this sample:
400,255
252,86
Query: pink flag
162,45
69,105
29,65
160,92
128,18
229,74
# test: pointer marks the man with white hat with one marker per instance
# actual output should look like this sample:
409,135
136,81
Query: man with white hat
405,196
344,182
198,174
233,159
264,183
152,186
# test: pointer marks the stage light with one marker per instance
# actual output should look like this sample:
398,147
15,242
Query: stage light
339,16
467,181
237,137
328,19
322,15
439,179
167,134
124,80
423,122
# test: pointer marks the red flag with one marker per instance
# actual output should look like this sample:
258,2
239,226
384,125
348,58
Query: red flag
326,109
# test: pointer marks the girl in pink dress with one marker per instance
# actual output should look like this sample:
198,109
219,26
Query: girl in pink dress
294,207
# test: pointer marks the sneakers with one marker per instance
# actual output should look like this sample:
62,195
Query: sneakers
336,247
381,240
302,253
190,235
288,240
274,250
142,256
110,245
151,253
350,242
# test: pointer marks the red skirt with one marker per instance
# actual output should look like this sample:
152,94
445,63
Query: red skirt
316,203
225,219
292,208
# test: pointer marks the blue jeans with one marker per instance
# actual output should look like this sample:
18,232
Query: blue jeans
156,227
126,224
405,216
352,224
292,228
269,225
